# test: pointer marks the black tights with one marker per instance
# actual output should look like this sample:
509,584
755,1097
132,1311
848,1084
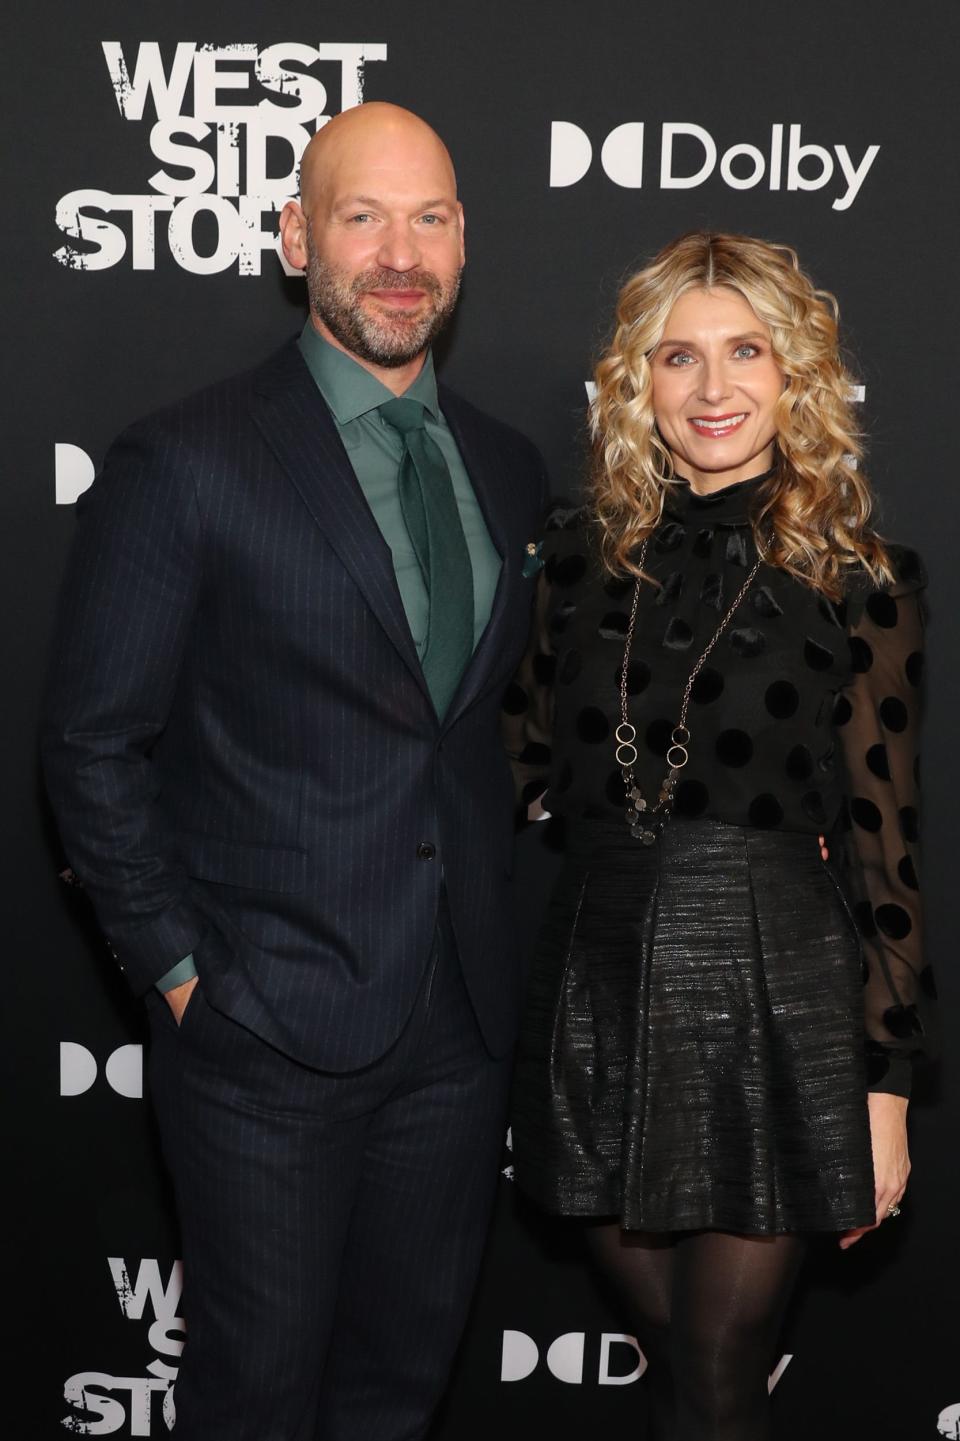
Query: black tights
707,1308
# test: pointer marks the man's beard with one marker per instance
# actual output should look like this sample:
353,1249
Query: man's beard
386,338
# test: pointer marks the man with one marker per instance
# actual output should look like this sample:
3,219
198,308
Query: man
272,740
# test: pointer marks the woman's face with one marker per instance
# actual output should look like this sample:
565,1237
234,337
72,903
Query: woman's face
715,386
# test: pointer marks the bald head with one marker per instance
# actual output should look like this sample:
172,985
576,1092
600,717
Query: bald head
379,231
373,140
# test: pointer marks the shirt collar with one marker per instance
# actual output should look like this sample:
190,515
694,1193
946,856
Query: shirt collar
731,505
351,391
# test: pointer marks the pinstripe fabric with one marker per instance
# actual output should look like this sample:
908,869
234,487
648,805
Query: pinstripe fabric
332,1224
238,739
246,764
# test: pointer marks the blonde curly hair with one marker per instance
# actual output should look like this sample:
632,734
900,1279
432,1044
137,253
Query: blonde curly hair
812,516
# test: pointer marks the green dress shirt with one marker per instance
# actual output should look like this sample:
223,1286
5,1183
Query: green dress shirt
374,449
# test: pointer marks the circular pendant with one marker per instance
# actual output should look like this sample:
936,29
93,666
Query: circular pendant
677,756
627,754
625,733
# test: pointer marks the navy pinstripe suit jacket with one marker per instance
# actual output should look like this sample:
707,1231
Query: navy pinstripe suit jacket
238,738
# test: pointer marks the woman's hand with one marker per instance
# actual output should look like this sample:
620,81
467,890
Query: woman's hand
891,1160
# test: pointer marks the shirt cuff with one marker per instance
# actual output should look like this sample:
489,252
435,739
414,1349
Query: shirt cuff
183,971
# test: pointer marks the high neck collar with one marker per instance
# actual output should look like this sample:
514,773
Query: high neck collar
729,506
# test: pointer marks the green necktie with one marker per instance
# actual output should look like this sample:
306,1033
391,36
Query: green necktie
433,522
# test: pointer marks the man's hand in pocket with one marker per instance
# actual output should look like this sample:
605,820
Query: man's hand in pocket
178,998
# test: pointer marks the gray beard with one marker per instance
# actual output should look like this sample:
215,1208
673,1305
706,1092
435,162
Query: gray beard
389,339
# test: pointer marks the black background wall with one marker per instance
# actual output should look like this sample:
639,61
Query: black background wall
142,304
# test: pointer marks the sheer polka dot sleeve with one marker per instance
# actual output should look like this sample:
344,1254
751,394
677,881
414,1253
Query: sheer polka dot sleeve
528,704
878,719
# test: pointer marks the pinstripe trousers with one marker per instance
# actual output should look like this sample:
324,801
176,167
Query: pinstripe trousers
332,1225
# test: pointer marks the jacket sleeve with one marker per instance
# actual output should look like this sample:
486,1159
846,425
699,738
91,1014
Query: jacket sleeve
878,718
127,606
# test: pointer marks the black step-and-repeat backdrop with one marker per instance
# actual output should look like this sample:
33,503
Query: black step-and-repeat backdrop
151,148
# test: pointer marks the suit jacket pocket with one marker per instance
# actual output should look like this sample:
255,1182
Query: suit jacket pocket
234,863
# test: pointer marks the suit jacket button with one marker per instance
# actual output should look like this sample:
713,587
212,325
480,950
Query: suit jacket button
426,851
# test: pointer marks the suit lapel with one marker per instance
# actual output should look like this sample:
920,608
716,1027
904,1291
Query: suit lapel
484,463
294,420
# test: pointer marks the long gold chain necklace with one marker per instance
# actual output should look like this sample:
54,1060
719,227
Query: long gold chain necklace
646,822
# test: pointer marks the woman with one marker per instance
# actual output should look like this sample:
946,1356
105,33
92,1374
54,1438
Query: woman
716,1057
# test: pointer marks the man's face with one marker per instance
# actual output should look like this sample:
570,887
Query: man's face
385,248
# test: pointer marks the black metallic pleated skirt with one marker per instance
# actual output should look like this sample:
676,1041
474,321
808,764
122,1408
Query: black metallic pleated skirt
692,1054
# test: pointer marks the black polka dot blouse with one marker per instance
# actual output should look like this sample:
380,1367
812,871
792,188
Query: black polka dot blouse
803,718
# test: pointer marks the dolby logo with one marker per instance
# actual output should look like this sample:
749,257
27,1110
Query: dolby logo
619,1361
122,1070
74,472
576,1359
687,156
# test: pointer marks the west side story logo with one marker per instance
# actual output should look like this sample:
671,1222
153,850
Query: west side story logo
101,1404
227,125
